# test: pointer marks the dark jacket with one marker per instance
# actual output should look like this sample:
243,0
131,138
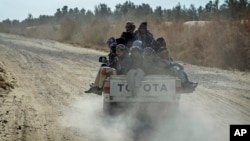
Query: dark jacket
146,38
129,38
123,64
111,60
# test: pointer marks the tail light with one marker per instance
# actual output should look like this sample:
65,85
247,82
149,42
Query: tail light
178,86
106,87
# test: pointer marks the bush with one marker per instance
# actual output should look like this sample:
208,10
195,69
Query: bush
68,29
218,44
96,33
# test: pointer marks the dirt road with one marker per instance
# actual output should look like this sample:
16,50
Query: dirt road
48,102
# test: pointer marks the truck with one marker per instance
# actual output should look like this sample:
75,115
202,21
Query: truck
161,90
158,90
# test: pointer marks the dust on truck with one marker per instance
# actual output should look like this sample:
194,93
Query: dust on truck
156,89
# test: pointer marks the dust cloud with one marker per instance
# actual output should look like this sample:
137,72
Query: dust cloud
85,116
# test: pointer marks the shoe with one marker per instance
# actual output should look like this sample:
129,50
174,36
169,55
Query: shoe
189,84
189,87
97,91
91,89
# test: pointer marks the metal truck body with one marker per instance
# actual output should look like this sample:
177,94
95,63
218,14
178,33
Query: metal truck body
157,89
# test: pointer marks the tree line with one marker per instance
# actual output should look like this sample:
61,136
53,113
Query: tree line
229,10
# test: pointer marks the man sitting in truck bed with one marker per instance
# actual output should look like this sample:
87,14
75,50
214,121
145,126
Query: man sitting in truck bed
167,62
108,66
161,63
135,74
151,62
122,66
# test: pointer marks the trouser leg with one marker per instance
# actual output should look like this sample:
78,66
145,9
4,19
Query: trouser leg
102,75
97,79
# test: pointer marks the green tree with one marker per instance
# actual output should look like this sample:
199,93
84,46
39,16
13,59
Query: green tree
158,12
102,11
65,10
209,7
124,10
83,11
192,13
216,5
29,21
143,10
6,22
177,12
76,11
241,9
82,16
89,16
201,13
58,15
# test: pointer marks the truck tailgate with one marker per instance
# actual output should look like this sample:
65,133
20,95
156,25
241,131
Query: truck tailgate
151,86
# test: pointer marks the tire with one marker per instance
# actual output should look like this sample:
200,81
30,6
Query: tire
107,108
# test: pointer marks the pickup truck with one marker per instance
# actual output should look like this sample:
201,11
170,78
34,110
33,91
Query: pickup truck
155,89
160,90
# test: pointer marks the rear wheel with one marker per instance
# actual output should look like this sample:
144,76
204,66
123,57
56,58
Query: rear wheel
107,108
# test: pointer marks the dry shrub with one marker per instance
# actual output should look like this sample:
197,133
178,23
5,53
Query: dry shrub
95,34
223,47
18,30
218,44
116,29
4,29
245,35
43,31
68,29
173,35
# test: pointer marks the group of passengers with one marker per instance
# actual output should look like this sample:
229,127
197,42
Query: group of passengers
136,54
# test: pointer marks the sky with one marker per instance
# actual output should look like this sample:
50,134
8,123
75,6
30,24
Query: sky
19,9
